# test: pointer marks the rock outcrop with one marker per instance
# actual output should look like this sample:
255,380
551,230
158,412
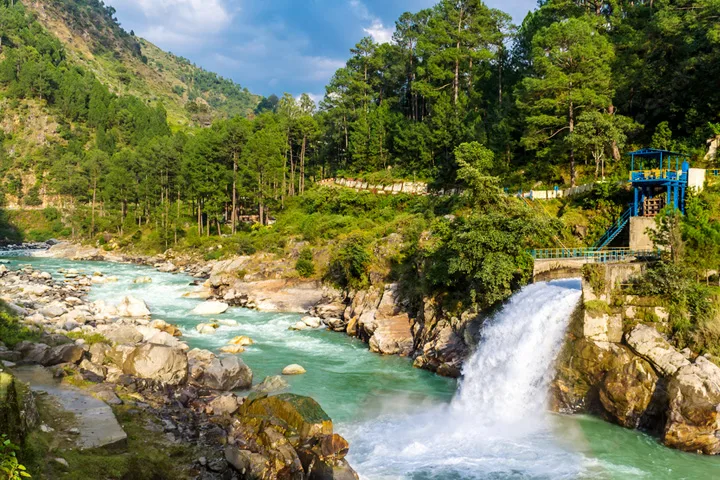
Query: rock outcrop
693,421
649,344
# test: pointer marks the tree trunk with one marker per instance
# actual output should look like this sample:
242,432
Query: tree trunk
92,219
233,215
571,115
302,165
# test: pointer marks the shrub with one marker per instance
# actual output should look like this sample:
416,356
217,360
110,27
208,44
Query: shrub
305,265
10,468
349,266
11,332
90,338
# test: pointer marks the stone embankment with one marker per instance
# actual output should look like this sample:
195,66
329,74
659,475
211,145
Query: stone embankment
119,353
617,364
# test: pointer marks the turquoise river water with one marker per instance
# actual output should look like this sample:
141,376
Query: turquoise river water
404,422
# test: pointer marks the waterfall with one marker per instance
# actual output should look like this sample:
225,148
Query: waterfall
496,426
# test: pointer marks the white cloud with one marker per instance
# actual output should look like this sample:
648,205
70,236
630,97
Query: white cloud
175,23
379,32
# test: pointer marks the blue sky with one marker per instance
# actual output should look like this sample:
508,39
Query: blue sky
273,46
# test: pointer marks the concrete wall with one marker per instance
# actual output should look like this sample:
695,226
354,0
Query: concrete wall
696,179
639,239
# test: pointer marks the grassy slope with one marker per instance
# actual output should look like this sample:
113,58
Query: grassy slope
93,41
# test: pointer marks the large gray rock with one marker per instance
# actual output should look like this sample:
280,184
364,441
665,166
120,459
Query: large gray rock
68,353
227,373
649,344
123,335
693,422
158,362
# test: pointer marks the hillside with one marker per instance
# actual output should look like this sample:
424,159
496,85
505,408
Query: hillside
130,65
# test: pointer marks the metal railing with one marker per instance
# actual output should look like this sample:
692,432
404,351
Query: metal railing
594,255
657,174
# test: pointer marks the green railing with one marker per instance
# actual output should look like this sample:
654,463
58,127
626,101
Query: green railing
594,255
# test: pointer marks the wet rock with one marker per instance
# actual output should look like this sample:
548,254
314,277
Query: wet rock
241,340
210,308
693,421
293,369
206,328
144,279
649,344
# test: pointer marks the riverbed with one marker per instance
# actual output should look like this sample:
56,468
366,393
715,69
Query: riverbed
402,422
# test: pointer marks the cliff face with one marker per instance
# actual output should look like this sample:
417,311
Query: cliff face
617,364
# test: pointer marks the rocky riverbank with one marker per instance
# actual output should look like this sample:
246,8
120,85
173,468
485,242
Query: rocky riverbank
618,365
380,315
121,355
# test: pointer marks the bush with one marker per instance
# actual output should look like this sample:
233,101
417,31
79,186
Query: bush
10,468
304,265
11,332
349,266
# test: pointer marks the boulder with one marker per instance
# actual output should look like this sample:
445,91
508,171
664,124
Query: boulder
157,362
225,404
144,279
123,335
232,349
210,308
627,390
163,326
206,328
252,466
312,322
94,368
693,423
132,307
302,414
68,353
293,369
53,310
649,344
241,340
271,384
222,373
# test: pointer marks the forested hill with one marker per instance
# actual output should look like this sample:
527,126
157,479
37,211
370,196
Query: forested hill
130,65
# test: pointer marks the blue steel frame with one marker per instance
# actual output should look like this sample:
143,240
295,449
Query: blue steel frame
660,174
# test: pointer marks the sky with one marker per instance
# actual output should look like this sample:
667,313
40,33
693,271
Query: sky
273,46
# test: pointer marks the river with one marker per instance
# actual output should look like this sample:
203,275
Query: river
404,422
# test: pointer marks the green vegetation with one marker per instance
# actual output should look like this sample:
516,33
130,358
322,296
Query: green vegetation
305,265
10,468
90,338
12,331
148,456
